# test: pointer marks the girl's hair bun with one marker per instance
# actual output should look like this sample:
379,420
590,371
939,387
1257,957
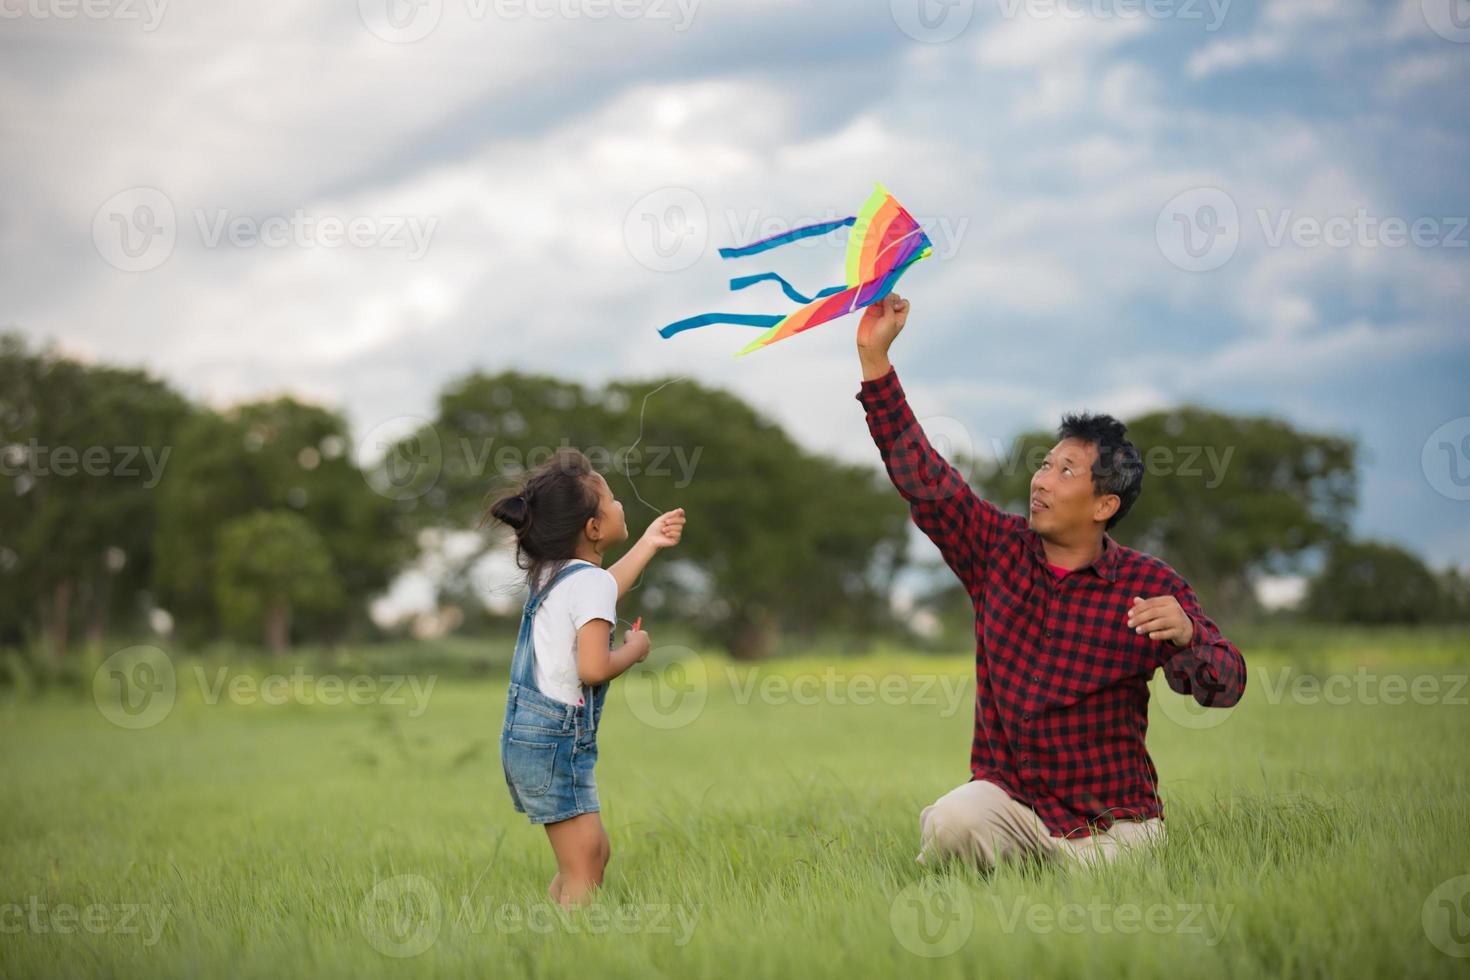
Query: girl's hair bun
513,511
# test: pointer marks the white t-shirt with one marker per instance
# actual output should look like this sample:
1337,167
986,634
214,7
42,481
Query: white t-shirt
575,601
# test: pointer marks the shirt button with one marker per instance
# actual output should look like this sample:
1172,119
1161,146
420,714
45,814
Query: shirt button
1026,716
1036,677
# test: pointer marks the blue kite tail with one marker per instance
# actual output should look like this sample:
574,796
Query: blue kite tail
704,319
795,234
786,287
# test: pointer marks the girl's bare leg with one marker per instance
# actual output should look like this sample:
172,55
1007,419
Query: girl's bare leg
581,848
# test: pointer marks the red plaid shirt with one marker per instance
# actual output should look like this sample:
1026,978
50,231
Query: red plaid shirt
1061,695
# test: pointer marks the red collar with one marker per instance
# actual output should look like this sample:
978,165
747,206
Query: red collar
1105,565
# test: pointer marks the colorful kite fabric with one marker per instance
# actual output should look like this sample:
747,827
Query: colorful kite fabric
885,240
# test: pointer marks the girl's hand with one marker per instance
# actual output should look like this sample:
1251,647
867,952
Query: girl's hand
666,530
638,640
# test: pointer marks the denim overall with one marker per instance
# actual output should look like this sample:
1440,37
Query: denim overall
548,747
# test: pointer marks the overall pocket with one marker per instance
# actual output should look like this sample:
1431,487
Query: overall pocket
529,765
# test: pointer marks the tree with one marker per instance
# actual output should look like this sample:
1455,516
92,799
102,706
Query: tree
84,449
1454,596
1224,497
270,565
1373,582
277,455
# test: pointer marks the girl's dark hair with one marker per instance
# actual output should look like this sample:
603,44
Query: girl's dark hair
548,512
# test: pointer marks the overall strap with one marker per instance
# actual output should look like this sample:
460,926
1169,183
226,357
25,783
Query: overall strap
521,672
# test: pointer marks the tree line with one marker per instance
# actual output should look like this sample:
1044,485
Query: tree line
122,501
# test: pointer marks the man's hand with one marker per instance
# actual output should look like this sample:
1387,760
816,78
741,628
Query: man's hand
666,530
876,331
1162,618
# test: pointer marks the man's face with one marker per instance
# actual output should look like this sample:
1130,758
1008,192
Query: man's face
1063,500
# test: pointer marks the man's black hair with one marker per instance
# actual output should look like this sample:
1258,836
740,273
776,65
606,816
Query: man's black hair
1119,468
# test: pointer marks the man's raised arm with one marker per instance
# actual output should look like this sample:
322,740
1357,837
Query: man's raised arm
963,526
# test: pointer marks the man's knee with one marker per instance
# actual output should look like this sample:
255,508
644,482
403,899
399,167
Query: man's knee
966,822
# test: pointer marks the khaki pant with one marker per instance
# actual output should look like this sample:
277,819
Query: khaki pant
980,822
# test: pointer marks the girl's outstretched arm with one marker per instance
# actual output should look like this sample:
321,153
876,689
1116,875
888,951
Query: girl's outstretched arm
664,532
596,664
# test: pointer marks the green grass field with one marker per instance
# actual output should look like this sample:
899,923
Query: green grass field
763,825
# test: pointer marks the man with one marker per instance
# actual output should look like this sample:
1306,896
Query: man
1069,627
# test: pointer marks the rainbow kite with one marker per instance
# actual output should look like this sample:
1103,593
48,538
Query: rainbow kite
884,242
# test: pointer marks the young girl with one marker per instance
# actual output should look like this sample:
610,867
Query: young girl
565,519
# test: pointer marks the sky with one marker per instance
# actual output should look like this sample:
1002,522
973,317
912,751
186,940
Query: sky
1257,207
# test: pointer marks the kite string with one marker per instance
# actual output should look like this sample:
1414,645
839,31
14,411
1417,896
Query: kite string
627,472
